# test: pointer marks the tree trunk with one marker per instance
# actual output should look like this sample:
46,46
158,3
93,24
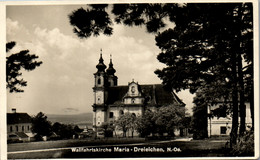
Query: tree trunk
242,106
233,134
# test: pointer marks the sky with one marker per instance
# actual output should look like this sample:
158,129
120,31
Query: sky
63,83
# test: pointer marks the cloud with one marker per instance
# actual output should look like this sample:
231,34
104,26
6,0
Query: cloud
11,27
66,76
16,31
66,110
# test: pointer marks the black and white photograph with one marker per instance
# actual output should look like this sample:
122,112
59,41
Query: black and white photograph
126,79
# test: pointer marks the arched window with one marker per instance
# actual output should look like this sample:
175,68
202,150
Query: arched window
22,128
111,114
99,81
16,128
11,128
133,114
121,112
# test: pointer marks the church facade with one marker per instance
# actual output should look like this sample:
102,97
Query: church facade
111,101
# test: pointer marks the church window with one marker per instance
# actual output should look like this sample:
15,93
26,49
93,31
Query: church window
121,112
133,89
16,128
22,128
111,114
11,128
99,81
223,130
28,128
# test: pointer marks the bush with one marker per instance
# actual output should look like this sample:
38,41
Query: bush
14,141
245,145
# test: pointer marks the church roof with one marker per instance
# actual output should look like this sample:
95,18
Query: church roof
101,66
16,118
154,94
111,70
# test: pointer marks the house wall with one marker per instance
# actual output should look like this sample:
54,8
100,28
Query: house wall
100,117
215,124
21,127
137,110
133,100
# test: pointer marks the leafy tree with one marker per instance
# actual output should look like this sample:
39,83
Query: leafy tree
205,49
185,125
168,118
41,126
146,124
108,129
15,63
65,131
200,117
164,120
126,122
77,129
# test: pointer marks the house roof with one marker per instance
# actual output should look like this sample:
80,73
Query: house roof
154,94
21,134
16,118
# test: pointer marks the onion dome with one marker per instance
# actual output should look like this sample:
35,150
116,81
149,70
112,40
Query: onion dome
111,70
101,66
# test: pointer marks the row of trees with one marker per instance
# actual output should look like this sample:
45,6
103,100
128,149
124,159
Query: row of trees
42,127
164,120
209,51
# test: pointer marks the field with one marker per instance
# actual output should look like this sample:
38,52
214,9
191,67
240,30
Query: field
120,148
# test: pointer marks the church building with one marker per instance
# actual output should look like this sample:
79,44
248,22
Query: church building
111,101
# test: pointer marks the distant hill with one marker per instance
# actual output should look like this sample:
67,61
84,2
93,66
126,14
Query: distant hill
82,120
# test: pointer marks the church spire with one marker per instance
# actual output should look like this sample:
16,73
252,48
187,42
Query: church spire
101,66
111,70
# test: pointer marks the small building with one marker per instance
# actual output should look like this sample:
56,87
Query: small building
19,126
221,124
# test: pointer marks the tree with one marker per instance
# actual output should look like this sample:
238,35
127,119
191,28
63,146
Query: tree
164,120
126,122
200,117
65,131
41,126
194,56
77,129
146,124
168,118
15,63
108,129
207,46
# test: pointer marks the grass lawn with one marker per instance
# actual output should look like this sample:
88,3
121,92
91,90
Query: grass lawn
70,143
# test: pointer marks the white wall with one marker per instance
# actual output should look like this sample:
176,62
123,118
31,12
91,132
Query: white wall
215,123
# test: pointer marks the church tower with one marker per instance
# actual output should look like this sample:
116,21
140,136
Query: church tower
99,89
112,79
